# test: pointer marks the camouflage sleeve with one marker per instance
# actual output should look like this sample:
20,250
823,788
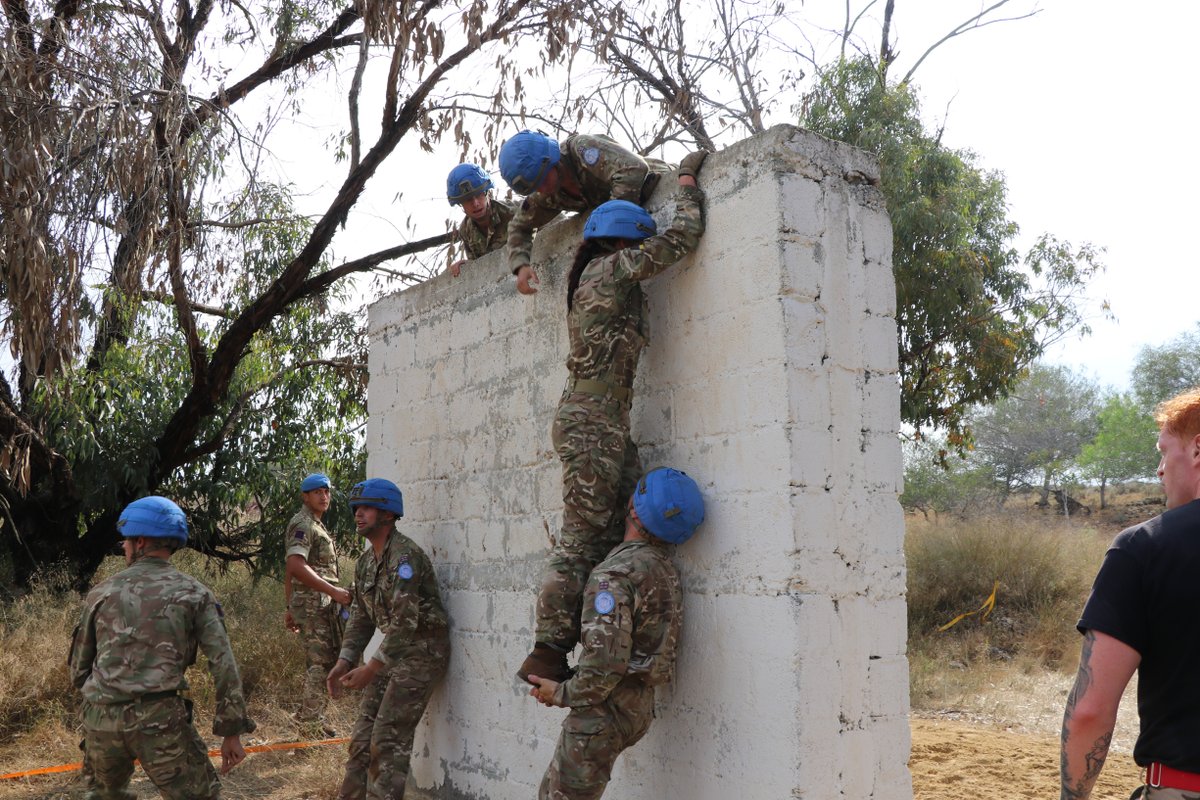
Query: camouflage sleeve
298,539
230,718
359,629
468,243
83,645
406,610
528,216
607,637
662,250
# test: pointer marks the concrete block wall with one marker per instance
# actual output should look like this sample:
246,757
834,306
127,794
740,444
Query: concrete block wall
771,378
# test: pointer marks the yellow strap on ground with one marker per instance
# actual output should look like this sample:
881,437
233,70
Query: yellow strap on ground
258,748
988,606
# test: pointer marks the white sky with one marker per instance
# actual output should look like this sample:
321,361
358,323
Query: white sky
1083,107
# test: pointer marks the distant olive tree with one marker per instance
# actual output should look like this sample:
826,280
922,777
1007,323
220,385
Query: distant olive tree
1033,437
1162,372
1123,448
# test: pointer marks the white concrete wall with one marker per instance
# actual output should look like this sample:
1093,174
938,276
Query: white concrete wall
770,378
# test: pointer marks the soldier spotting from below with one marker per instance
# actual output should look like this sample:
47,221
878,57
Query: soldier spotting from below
632,615
139,632
396,591
577,175
485,225
316,608
607,330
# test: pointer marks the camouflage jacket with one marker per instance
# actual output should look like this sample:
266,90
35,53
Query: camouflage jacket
477,242
605,171
632,613
399,595
606,323
140,631
307,537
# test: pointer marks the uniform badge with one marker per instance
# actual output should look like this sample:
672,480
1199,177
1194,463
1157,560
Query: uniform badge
405,571
605,602
345,614
299,535
220,611
591,155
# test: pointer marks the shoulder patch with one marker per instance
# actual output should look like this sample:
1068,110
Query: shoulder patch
220,611
605,602
404,571
299,534
590,155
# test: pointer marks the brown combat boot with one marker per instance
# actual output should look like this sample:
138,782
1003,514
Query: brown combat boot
545,661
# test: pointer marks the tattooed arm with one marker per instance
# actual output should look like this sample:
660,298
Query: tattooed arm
1105,667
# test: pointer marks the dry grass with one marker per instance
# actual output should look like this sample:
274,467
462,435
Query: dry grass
1014,669
39,707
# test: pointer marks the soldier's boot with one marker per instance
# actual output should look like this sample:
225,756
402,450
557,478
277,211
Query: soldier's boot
546,661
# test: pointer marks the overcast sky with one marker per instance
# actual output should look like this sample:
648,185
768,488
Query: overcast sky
1085,107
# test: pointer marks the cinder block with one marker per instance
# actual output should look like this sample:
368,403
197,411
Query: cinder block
770,377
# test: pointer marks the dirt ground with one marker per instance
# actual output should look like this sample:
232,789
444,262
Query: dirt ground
951,760
956,760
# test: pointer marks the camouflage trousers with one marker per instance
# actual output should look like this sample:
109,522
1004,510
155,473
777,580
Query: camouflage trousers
158,733
382,740
600,469
321,629
591,740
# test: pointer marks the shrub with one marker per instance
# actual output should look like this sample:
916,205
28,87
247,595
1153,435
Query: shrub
1044,570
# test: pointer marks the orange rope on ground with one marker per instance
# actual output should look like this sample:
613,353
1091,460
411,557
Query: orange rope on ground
258,748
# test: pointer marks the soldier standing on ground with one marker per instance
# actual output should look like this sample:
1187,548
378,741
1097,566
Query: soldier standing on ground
485,225
1140,618
138,634
631,621
577,175
315,607
607,330
397,592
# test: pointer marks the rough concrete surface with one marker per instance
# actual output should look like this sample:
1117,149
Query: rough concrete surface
770,377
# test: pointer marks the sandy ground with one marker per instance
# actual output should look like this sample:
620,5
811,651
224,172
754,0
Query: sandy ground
955,761
951,760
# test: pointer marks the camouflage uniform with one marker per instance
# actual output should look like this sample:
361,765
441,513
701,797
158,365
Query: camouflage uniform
631,620
320,619
607,331
605,171
475,241
139,632
399,595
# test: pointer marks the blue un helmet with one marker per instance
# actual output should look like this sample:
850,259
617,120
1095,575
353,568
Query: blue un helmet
668,504
153,517
465,181
525,159
378,493
315,481
619,219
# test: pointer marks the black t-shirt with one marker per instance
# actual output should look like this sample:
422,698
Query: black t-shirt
1146,595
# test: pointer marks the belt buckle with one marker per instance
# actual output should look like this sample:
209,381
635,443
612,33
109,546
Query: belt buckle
1154,782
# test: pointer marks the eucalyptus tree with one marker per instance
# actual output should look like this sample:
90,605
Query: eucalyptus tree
173,323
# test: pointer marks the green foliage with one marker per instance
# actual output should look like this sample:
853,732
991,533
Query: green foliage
938,482
1034,436
296,403
972,313
1123,449
1160,373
